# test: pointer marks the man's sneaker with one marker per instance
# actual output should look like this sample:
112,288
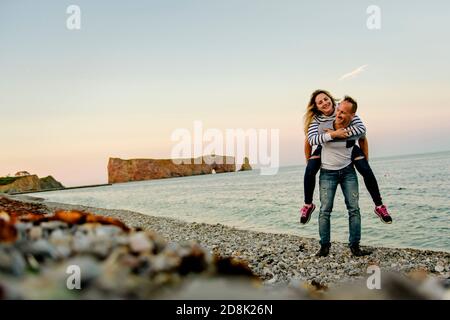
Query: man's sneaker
357,252
324,250
382,212
306,212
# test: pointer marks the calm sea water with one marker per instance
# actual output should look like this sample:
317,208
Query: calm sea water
416,189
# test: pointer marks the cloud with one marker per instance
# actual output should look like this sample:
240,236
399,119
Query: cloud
354,73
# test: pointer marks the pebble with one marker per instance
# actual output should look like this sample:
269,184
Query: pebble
4,216
35,233
108,231
81,243
139,242
12,261
42,249
439,268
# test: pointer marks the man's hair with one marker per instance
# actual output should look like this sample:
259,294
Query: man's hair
353,102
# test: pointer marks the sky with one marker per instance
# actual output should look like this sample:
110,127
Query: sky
136,71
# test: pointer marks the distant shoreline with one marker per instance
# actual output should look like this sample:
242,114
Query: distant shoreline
60,189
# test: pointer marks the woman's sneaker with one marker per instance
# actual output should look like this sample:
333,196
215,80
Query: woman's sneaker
306,212
382,212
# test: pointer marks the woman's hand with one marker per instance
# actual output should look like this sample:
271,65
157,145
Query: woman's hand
341,133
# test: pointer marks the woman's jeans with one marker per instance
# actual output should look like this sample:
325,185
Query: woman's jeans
328,182
362,165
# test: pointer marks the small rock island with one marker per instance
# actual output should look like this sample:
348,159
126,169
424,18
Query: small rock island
246,165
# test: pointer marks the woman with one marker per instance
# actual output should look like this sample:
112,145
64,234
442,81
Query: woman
322,107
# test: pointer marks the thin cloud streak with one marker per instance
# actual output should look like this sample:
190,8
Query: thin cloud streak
354,73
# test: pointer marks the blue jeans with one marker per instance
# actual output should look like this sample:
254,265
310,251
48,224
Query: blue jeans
328,182
362,165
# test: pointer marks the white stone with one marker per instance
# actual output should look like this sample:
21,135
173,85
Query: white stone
439,268
139,242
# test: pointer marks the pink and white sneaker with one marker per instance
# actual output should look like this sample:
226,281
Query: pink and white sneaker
306,212
382,212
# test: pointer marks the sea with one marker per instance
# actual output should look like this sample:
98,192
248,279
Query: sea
415,188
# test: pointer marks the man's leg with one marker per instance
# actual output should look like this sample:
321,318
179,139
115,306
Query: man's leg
328,182
349,185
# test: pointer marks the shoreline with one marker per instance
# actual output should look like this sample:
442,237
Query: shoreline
60,189
278,258
121,212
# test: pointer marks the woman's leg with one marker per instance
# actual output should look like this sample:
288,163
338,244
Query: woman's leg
363,167
309,181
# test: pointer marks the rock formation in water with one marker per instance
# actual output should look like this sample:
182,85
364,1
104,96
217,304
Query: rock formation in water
29,183
120,170
246,165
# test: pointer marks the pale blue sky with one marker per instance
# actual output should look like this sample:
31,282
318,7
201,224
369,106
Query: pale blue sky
138,70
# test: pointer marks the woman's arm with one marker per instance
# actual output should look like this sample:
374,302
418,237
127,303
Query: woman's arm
314,138
308,150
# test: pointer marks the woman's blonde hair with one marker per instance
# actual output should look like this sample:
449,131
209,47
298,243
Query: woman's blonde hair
311,108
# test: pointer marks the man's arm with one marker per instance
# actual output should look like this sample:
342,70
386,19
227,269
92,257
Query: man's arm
356,127
364,145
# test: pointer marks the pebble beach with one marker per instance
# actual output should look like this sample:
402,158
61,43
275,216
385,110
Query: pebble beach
275,261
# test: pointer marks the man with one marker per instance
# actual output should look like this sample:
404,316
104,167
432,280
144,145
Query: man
337,169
